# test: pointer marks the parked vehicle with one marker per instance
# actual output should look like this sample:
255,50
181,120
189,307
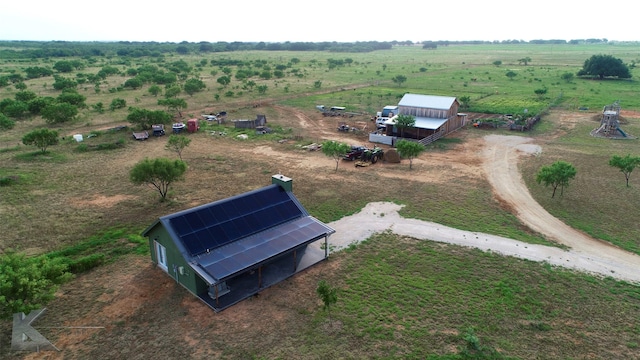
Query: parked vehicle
355,153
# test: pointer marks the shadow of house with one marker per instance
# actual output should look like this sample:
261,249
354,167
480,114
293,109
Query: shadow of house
226,251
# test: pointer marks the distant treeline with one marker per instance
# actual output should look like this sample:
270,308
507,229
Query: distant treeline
56,49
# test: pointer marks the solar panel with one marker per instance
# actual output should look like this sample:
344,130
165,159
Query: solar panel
219,223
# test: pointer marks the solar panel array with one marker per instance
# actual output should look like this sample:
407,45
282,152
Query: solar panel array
221,223
233,258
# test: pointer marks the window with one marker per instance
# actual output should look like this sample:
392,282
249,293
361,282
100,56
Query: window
161,256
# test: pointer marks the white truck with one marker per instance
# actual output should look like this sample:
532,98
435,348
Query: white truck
387,113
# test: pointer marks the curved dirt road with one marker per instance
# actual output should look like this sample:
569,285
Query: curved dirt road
501,154
501,159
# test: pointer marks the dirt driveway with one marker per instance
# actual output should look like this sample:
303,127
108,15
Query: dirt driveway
501,169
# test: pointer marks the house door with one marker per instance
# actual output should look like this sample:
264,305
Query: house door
161,256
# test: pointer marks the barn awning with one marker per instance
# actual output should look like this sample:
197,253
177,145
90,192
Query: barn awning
422,123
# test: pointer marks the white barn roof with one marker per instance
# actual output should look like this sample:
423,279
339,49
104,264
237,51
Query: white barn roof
427,101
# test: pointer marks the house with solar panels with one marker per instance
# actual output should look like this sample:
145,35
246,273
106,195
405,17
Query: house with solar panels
435,116
228,250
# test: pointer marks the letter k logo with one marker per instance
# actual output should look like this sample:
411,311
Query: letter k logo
24,337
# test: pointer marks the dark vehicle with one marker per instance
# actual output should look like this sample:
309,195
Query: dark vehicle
355,153
158,129
372,155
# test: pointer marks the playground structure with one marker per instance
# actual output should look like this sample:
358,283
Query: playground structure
610,123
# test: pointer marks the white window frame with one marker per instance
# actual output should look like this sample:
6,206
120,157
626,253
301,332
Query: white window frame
161,256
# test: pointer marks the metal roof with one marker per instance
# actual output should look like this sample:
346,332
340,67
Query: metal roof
227,236
427,101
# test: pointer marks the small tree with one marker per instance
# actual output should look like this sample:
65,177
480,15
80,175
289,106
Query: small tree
465,101
568,77
155,90
59,112
557,174
28,283
175,105
540,92
117,103
224,80
6,123
625,164
524,60
328,295
159,173
335,150
405,121
192,86
399,79
41,138
177,143
511,74
409,149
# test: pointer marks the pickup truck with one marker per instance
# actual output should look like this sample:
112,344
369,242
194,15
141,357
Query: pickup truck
355,153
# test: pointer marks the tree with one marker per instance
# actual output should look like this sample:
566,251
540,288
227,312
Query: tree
497,62
603,66
117,103
262,89
511,74
63,66
174,105
193,85
540,91
172,91
465,101
625,164
405,121
328,295
335,150
25,96
159,173
145,118
409,149
155,90
6,123
568,77
399,79
73,97
177,143
61,83
28,283
41,138
224,80
557,174
59,112
133,83
524,60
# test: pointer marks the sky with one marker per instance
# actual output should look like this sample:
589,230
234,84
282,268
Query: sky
314,21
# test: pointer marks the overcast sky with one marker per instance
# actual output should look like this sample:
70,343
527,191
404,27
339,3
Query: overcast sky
315,21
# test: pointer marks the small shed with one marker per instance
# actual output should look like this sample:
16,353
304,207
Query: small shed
228,250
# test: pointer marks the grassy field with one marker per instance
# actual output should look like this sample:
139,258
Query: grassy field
398,298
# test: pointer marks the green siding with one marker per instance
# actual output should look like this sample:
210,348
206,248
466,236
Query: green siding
189,279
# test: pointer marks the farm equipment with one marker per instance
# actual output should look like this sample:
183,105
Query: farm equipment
364,155
343,127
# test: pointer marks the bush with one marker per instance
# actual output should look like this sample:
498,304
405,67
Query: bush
9,180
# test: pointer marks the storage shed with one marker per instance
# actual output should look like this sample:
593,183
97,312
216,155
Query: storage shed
228,250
